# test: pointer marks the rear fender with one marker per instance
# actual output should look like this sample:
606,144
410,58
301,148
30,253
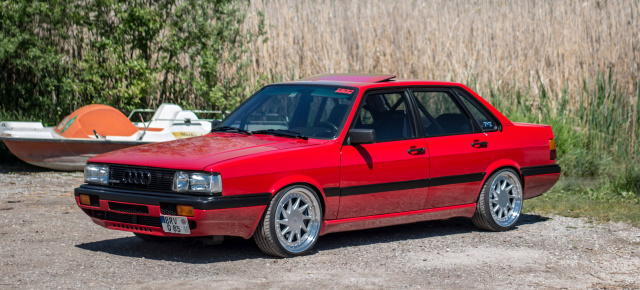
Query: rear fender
497,165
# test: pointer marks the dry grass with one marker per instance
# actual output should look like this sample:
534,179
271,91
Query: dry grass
514,43
572,64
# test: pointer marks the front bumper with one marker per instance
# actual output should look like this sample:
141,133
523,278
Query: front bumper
140,211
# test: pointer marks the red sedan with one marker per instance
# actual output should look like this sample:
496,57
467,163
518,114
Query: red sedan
327,154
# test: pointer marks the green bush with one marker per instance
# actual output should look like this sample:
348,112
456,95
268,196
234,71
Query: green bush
58,55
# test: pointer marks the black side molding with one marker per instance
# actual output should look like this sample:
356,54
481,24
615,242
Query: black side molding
454,179
540,170
331,191
410,184
383,187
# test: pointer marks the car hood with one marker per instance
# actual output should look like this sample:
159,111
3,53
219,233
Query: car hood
196,153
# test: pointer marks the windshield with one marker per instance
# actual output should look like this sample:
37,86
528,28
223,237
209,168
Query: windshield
310,111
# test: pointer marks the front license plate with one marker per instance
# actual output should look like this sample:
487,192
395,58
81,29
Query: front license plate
175,224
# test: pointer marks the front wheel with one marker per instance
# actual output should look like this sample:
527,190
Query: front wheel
500,202
291,225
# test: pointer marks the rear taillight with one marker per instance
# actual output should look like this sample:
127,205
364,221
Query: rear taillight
552,148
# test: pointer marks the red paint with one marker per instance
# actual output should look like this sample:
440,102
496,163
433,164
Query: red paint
539,184
454,155
375,221
251,164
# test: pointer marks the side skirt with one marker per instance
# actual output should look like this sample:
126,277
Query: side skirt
375,221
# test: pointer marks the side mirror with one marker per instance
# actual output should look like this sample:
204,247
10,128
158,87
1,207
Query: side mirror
362,136
214,124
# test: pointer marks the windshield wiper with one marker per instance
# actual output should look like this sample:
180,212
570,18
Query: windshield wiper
227,128
284,133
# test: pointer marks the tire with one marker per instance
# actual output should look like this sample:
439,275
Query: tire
150,238
291,225
500,202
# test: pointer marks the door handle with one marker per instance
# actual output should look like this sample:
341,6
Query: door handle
477,144
417,151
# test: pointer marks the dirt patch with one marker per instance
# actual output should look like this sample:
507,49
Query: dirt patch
48,242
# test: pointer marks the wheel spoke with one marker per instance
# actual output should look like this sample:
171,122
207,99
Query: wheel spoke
286,230
302,208
297,204
508,189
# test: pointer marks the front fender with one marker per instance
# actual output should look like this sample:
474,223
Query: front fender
329,204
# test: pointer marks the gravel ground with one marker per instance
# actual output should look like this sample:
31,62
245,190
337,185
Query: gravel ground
47,242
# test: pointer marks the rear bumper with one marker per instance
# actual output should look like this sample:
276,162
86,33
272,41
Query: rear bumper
138,211
539,179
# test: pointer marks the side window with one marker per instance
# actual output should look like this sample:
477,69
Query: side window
441,115
387,115
487,122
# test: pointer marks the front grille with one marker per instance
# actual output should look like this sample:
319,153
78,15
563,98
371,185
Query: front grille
94,200
129,208
168,209
133,219
132,177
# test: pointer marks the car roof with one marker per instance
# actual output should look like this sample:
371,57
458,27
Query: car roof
366,81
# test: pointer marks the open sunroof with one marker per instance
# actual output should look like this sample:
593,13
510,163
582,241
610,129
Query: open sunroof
358,78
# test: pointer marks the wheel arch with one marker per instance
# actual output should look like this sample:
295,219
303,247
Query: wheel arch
300,180
497,166
290,181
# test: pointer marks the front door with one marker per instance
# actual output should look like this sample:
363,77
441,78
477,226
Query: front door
390,175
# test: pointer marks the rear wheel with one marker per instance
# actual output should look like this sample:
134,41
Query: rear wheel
291,224
500,202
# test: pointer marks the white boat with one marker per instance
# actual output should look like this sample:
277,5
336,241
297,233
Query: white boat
96,129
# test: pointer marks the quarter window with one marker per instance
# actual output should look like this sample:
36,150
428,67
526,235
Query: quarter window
487,122
441,115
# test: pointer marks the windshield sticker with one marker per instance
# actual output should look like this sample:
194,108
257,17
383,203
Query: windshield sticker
344,91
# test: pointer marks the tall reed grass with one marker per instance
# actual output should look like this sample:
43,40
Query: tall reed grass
572,64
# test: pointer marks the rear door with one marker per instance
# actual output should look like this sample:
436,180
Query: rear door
459,150
390,175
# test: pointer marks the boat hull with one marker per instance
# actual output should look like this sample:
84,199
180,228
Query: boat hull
62,154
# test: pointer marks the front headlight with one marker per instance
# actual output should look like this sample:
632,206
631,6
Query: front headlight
96,173
197,182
